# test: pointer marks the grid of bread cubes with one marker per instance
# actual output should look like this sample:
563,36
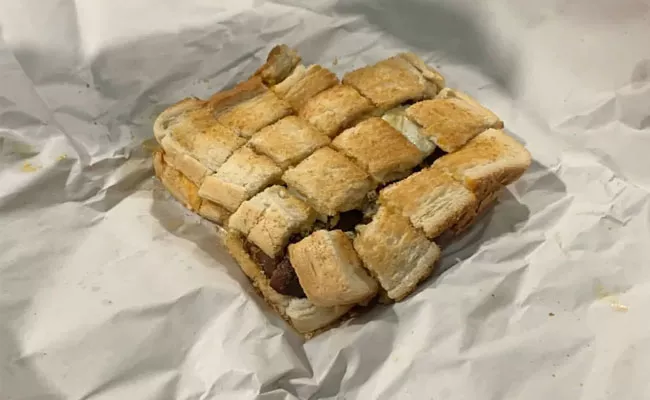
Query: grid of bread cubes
311,153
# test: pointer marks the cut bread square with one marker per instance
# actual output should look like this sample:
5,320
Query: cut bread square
270,218
183,190
330,182
391,82
432,200
384,152
489,161
213,212
304,83
243,175
397,254
248,107
280,62
330,271
335,109
452,119
288,141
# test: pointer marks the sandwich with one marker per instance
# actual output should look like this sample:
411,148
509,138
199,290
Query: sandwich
336,193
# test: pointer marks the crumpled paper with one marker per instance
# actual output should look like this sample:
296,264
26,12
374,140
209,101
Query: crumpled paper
111,290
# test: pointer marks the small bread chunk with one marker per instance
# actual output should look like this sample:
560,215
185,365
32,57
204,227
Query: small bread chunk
397,254
379,148
427,71
288,141
487,163
176,183
248,107
213,212
390,83
330,271
330,182
279,63
306,317
303,84
270,218
452,119
195,143
335,109
431,199
242,176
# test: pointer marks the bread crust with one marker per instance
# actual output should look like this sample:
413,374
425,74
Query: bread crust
183,190
303,84
280,62
330,271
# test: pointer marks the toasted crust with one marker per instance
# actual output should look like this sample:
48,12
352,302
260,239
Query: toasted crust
398,255
304,316
248,107
429,73
179,159
397,118
335,109
213,212
431,199
270,218
489,161
304,83
330,182
242,176
452,119
288,141
176,183
379,148
167,117
330,271
390,83
280,62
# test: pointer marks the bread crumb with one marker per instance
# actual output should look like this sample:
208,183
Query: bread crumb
29,167
336,61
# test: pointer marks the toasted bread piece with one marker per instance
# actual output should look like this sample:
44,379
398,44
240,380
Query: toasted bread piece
330,271
303,315
391,82
303,84
248,107
452,119
176,183
489,161
330,182
288,141
427,71
335,109
213,212
380,149
241,177
397,254
397,118
196,142
431,199
280,62
270,218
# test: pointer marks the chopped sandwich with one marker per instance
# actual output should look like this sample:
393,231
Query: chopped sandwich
335,193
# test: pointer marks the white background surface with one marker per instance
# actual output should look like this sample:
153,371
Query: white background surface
110,290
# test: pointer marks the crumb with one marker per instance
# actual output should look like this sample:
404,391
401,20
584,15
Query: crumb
336,61
29,167
551,314
87,85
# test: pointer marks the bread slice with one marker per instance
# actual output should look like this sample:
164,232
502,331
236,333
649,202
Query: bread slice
281,61
288,141
392,82
335,109
242,176
452,119
330,182
248,107
270,218
196,143
213,212
381,150
330,271
487,163
184,190
431,199
429,73
302,314
303,84
397,254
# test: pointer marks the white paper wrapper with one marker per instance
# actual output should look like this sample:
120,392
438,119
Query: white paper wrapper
110,290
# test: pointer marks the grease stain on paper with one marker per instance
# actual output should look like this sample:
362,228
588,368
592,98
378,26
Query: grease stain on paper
613,300
29,167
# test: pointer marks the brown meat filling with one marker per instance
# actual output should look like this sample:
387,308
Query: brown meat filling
279,270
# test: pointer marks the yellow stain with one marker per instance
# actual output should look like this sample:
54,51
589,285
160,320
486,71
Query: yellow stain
150,145
613,300
62,157
29,167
